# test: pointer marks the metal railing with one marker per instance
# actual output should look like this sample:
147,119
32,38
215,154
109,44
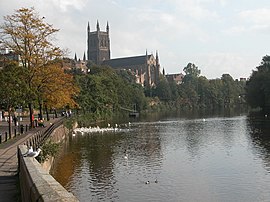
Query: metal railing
39,138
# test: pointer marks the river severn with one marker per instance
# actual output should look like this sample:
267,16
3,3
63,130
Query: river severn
170,159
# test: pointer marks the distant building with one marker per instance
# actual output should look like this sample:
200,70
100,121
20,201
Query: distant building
146,67
75,64
7,55
177,78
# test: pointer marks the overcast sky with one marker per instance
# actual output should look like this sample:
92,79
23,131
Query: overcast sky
219,36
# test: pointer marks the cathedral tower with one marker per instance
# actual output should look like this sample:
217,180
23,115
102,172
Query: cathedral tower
98,44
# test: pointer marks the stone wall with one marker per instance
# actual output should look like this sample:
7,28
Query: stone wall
35,181
57,136
37,184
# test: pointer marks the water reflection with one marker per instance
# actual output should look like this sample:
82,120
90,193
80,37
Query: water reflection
198,159
260,135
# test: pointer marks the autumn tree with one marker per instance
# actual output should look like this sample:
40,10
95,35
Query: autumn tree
56,89
27,35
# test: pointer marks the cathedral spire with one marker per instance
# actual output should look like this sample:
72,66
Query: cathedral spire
88,27
84,58
107,27
157,59
98,29
75,57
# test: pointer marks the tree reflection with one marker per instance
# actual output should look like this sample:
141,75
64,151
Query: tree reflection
260,136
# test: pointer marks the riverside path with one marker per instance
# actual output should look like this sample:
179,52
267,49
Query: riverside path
9,180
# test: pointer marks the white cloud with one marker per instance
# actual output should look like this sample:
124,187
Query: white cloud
194,9
64,5
250,21
257,16
218,63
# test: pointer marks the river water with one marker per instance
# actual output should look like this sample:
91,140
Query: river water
184,159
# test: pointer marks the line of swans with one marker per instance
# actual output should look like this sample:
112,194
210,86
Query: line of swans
98,129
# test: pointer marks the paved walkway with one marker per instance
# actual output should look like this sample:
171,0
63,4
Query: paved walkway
9,182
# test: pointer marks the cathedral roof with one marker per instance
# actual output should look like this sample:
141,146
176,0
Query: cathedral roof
127,61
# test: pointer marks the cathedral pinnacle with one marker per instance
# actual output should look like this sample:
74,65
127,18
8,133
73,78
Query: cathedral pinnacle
107,27
98,29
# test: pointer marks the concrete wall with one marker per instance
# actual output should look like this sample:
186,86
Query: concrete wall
36,183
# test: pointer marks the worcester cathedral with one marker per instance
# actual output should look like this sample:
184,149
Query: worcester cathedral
145,67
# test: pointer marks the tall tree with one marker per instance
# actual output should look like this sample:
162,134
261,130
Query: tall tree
258,86
192,70
11,85
56,88
163,90
27,35
230,91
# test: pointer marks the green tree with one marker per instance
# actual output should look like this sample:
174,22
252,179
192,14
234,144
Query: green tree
229,90
204,93
105,90
12,85
163,90
217,98
258,86
191,71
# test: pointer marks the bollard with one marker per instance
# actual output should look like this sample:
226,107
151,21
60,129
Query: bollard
21,129
6,136
0,138
10,136
15,132
26,128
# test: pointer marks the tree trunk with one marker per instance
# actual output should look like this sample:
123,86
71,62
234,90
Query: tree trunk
47,113
30,115
40,111
9,121
55,113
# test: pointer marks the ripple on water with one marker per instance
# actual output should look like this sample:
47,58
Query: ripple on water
216,159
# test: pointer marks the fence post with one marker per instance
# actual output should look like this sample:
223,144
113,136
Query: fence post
15,132
6,136
0,138
19,129
26,128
